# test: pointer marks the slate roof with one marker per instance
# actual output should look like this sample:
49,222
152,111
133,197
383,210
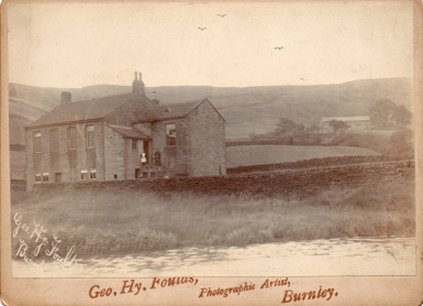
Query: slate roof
101,107
164,112
170,111
84,110
129,132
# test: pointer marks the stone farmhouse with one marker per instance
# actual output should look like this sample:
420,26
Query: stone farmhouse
354,122
124,137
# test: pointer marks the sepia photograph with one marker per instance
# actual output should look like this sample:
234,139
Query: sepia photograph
181,140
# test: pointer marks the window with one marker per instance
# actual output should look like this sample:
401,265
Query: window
45,177
84,174
91,136
91,159
170,134
37,163
58,177
71,138
134,145
38,177
93,174
54,140
37,142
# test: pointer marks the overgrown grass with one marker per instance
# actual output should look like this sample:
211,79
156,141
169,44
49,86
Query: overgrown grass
113,221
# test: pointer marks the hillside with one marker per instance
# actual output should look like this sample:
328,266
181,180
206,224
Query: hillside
246,110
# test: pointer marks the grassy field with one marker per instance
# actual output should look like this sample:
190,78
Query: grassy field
114,221
247,155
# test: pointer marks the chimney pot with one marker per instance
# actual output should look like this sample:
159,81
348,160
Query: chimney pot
65,97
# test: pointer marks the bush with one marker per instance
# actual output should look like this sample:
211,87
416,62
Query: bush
401,145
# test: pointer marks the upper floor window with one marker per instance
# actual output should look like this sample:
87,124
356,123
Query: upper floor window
71,138
91,159
170,134
54,140
91,136
37,142
134,144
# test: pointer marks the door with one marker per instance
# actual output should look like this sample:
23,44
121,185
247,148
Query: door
146,149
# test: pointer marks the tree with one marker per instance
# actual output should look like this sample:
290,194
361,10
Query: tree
401,144
385,114
313,128
402,116
338,126
286,126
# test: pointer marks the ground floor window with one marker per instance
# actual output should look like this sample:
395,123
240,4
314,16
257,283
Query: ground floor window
134,144
170,134
84,174
38,177
58,177
45,177
93,174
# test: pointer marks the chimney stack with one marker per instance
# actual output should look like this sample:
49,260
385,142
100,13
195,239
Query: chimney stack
138,86
65,97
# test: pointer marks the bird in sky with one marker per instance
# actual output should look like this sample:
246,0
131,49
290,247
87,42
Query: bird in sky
303,79
221,15
201,28
279,48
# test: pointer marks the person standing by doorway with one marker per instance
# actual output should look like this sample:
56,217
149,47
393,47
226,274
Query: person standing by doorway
157,158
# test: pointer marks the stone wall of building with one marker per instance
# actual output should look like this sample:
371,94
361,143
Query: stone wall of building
114,152
132,157
199,148
64,164
183,150
207,129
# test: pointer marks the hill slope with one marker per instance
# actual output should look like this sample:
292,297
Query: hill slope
246,110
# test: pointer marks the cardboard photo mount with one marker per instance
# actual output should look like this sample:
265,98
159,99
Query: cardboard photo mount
351,290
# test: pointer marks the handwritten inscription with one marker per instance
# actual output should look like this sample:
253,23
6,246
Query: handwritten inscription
34,243
281,283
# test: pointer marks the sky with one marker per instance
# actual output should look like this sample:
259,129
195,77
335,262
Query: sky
81,44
